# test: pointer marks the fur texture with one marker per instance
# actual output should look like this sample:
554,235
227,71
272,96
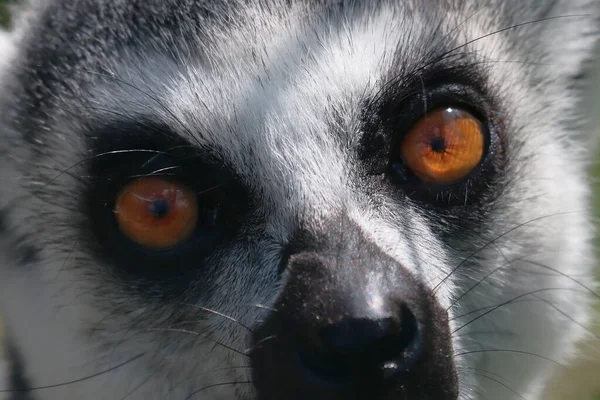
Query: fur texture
291,98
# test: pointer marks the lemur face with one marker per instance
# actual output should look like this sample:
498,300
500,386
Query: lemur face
293,200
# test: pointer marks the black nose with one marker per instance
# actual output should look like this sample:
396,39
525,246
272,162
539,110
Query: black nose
334,338
350,323
379,349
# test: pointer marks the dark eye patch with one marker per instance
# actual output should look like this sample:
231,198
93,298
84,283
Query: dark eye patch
400,110
126,153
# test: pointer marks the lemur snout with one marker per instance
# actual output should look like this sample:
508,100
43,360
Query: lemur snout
338,332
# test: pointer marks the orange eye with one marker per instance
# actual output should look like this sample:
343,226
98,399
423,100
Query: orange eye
156,213
445,146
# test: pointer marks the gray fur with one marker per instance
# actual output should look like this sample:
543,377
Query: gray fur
276,89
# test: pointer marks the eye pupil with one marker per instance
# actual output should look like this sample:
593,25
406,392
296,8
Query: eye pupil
160,208
438,144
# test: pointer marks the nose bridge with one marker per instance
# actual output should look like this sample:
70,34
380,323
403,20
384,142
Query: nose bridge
318,288
318,179
337,272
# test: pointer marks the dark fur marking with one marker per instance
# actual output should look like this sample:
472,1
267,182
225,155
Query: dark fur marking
3,224
23,253
17,380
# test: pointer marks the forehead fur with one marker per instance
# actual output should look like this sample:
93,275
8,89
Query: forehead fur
208,33
235,76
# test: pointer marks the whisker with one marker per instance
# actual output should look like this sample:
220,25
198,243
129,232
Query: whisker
504,385
480,371
157,172
107,153
473,287
216,385
466,314
490,332
259,343
465,353
261,306
76,380
198,334
233,367
122,338
588,289
477,392
452,31
515,26
509,263
217,313
473,254
567,316
198,193
508,302
452,52
137,387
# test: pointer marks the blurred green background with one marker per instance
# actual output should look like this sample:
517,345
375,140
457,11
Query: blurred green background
4,12
581,381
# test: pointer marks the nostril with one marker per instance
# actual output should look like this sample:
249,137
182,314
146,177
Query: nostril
355,335
326,370
360,347
379,340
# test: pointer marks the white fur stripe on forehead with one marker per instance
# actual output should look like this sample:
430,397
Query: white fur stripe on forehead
289,87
